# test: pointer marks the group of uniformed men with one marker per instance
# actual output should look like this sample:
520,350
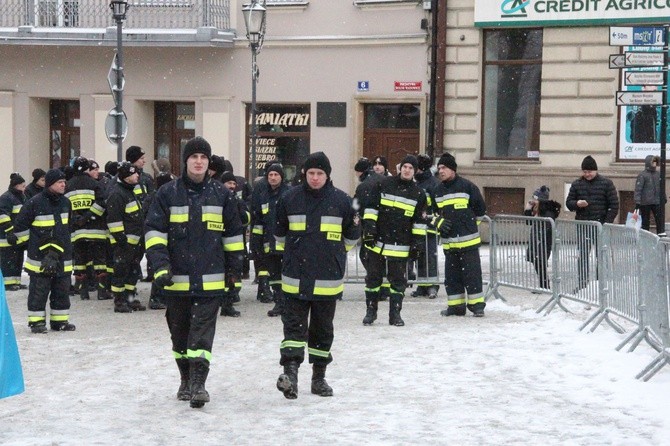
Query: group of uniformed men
299,237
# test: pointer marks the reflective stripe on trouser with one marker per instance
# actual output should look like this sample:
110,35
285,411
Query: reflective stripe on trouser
11,262
126,271
378,265
89,251
55,289
192,324
307,324
463,273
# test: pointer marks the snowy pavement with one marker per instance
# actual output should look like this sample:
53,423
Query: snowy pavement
513,378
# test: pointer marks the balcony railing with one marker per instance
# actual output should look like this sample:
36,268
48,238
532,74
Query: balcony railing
142,14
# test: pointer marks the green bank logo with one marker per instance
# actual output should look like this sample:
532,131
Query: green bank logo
514,8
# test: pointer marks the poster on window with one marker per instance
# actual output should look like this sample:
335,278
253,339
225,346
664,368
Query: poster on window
639,125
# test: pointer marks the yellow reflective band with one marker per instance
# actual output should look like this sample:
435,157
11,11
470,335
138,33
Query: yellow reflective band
397,204
132,207
178,218
153,241
115,227
236,246
178,286
36,318
293,344
373,290
279,246
204,354
297,226
216,218
285,287
44,223
5,219
457,301
58,317
464,244
323,291
416,231
257,230
263,273
457,203
157,274
51,245
476,301
316,352
331,227
211,286
116,289
178,355
369,216
265,208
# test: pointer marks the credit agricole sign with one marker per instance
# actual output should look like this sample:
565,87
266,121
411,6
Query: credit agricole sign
501,13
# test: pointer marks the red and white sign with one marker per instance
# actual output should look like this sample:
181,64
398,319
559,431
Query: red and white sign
407,86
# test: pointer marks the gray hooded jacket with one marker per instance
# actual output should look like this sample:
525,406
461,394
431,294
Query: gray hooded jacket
648,184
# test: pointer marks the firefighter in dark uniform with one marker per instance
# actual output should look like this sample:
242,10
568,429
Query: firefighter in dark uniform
365,192
315,222
194,242
393,229
267,253
145,186
11,251
89,232
125,217
427,261
37,185
458,207
44,221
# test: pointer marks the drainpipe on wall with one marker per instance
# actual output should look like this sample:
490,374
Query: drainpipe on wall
435,135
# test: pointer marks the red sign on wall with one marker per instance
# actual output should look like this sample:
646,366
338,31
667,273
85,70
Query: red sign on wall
407,86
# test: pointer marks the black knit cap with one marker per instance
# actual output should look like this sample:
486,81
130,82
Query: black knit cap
15,179
37,174
409,159
52,176
92,165
424,162
317,160
589,163
126,169
133,153
230,176
217,164
448,160
111,167
80,164
197,145
381,160
362,165
275,167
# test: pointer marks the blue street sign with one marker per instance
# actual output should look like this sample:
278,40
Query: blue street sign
363,85
637,35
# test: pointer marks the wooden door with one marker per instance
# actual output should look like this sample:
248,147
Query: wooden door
392,131
63,132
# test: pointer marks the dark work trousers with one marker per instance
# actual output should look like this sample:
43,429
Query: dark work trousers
192,324
56,290
126,274
539,250
645,213
273,264
427,261
587,237
395,270
463,272
310,323
11,262
91,252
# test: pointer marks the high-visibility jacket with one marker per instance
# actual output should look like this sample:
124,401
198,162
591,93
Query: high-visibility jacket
366,190
86,196
194,232
397,212
316,229
427,181
10,206
264,217
125,215
44,221
461,203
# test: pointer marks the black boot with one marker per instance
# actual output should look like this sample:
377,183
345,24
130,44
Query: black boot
477,309
319,385
371,298
421,291
62,326
454,310
278,309
103,294
227,308
384,293
134,303
38,327
264,293
198,373
287,383
82,286
395,305
184,392
121,303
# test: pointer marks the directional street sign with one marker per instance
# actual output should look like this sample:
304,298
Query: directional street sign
637,36
639,98
643,59
110,126
617,61
640,78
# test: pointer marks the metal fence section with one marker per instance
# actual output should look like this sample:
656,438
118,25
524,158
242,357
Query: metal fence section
163,14
520,254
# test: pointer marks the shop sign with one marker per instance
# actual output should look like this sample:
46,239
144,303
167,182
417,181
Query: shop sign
407,86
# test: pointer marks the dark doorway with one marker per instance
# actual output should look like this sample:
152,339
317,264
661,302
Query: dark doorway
174,125
64,132
391,130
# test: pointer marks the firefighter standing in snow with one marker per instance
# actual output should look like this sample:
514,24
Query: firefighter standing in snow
315,223
45,222
458,206
11,251
392,227
194,242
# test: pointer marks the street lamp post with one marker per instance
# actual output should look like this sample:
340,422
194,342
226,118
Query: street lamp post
254,19
119,10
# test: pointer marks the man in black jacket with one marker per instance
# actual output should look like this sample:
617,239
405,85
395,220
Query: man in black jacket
11,251
594,198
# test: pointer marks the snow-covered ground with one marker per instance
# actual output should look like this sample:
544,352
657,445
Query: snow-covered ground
513,377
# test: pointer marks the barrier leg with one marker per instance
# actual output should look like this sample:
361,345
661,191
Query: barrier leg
654,366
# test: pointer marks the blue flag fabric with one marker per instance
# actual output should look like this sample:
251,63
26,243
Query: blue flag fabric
11,373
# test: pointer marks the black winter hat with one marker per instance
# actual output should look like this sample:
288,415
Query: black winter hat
381,160
229,166
92,165
448,160
37,174
52,176
424,162
229,176
15,179
80,164
111,167
126,169
163,178
274,167
317,160
409,159
362,165
589,163
133,153
542,193
197,145
217,164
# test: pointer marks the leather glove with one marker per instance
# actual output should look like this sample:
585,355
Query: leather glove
369,239
50,263
163,280
441,224
12,239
